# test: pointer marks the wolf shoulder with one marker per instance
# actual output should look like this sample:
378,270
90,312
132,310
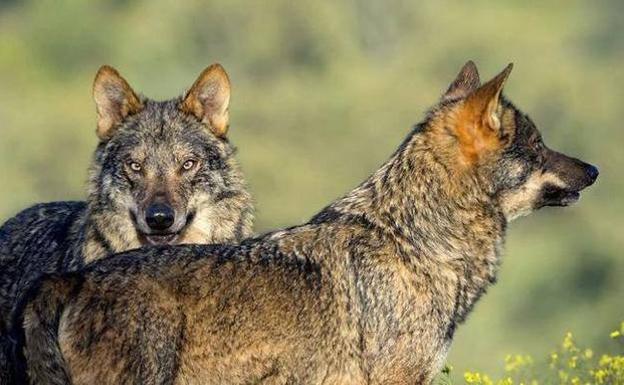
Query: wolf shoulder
40,228
37,240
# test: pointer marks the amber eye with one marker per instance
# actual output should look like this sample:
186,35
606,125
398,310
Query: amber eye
135,166
188,164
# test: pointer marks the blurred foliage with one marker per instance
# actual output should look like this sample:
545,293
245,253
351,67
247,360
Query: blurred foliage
323,92
568,364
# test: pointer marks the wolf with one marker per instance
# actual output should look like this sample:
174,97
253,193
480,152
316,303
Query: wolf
369,291
162,173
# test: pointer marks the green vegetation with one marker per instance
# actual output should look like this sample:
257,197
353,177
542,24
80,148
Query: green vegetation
568,364
323,92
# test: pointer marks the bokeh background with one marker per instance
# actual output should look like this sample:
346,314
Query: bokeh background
323,92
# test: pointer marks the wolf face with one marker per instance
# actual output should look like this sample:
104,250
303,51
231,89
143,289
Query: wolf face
164,172
532,176
485,134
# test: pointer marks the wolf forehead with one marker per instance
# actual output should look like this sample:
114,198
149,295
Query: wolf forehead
517,122
165,119
162,124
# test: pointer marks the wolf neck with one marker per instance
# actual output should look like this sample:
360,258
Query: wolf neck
431,212
105,234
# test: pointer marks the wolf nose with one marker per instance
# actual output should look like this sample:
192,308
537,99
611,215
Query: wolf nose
159,216
592,172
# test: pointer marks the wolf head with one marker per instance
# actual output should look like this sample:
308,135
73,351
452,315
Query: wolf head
481,136
164,172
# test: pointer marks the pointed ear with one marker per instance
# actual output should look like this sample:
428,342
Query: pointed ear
465,83
484,101
114,101
209,99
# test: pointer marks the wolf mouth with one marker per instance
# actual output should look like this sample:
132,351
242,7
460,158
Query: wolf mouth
161,239
560,197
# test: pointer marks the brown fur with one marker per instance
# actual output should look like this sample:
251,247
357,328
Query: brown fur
140,162
369,291
209,98
114,99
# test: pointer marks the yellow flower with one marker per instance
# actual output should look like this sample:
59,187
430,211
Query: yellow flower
516,362
554,357
477,379
568,343
600,375
570,365
472,378
618,333
605,360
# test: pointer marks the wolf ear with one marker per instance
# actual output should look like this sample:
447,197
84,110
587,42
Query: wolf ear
477,124
114,101
209,99
484,101
465,83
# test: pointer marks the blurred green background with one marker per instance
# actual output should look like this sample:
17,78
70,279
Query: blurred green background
323,92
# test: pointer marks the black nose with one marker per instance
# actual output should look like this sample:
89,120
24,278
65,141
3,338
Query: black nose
159,216
592,172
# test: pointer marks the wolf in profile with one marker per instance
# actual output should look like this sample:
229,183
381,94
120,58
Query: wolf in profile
163,173
369,291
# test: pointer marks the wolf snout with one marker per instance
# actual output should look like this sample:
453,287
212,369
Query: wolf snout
159,216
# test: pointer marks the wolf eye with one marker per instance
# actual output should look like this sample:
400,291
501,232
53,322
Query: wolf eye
188,164
135,166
